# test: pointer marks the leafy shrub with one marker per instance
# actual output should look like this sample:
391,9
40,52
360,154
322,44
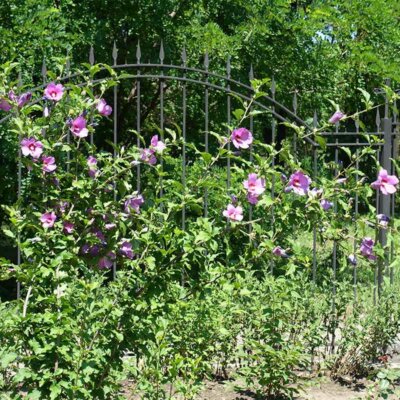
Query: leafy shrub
367,333
121,277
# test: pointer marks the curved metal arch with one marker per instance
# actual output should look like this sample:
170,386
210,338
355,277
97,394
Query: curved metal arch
205,73
213,86
212,74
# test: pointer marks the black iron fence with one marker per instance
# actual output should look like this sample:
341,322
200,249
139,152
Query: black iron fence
214,88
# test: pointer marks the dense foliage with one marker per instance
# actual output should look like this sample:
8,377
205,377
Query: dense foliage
134,281
153,285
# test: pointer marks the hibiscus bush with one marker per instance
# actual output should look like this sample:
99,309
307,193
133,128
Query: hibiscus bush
126,277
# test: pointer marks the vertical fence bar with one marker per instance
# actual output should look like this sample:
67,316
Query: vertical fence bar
115,136
378,122
315,174
273,140
138,114
251,126
68,74
161,85
228,120
91,62
334,256
393,203
206,123
91,55
356,200
385,201
251,118
294,134
184,58
44,78
19,199
314,246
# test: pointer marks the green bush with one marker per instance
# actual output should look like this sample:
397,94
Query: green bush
120,283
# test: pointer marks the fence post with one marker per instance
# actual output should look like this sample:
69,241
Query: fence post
385,200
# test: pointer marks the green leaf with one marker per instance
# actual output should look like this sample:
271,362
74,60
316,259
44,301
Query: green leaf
202,237
321,141
55,391
207,157
34,395
7,359
347,151
9,233
22,374
238,114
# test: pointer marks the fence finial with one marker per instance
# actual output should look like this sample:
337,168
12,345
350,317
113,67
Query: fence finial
378,119
162,54
115,53
273,86
228,67
138,52
91,55
44,69
315,119
295,102
184,56
251,73
206,60
357,122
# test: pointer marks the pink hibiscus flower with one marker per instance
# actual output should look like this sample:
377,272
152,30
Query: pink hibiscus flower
254,185
299,183
126,250
103,108
31,147
92,164
48,219
21,100
5,105
158,145
49,164
68,227
134,203
105,263
367,248
279,252
148,157
54,92
233,213
241,138
325,204
385,183
78,127
336,117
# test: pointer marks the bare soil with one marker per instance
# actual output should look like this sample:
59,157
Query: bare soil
322,390
326,390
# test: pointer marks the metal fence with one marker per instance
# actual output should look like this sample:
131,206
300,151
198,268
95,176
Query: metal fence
207,82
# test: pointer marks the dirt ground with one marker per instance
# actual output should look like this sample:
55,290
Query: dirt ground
325,390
